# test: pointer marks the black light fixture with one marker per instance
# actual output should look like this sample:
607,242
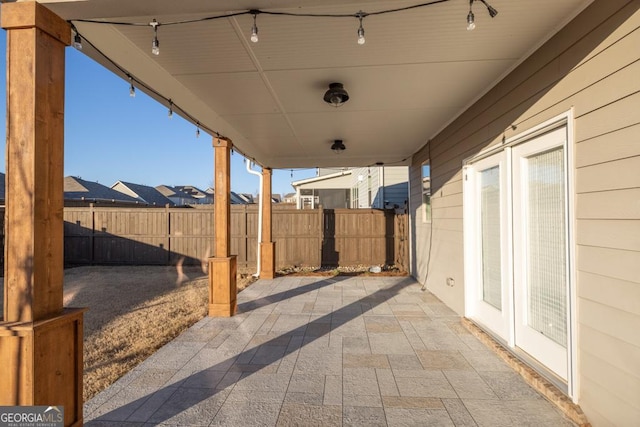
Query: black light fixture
338,146
336,95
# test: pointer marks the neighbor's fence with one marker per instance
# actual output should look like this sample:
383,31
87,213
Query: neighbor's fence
105,235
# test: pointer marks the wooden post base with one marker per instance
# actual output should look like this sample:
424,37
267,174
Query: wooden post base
42,363
267,260
222,286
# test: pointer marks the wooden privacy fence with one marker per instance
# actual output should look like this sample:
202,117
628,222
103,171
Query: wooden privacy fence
162,236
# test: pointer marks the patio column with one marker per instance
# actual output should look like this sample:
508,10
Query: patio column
223,266
40,341
267,247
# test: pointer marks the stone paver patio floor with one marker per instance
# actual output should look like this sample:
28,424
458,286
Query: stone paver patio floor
305,351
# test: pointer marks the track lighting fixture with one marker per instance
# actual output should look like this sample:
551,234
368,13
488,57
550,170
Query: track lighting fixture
361,39
254,29
155,44
336,95
471,18
77,41
338,146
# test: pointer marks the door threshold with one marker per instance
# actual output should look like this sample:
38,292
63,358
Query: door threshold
543,386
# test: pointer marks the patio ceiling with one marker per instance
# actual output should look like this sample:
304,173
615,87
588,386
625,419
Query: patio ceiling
418,70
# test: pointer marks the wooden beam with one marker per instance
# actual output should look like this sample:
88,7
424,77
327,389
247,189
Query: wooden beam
40,343
267,247
222,196
223,266
34,179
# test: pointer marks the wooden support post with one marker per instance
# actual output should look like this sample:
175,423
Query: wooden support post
223,266
40,342
267,246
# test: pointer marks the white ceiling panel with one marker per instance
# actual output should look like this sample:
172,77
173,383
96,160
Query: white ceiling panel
416,72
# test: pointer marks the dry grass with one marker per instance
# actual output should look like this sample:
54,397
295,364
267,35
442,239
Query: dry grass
133,311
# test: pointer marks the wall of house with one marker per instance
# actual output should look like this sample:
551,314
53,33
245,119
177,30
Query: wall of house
593,66
118,186
367,179
396,185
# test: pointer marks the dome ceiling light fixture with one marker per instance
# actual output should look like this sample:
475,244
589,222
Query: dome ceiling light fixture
338,146
336,95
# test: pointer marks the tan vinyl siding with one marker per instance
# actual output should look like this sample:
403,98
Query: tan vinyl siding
592,66
395,184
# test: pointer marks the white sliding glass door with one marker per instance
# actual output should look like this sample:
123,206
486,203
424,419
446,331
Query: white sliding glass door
540,250
487,207
517,247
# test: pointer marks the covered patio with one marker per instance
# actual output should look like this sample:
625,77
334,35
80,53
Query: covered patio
423,92
370,351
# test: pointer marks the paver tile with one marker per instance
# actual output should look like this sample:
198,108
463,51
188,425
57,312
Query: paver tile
327,352
299,415
365,361
363,416
401,417
442,359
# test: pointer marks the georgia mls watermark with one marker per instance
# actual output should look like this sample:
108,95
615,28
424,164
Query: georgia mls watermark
31,416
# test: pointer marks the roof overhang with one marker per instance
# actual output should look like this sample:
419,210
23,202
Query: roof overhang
418,70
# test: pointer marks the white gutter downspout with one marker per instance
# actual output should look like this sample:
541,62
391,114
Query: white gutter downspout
259,175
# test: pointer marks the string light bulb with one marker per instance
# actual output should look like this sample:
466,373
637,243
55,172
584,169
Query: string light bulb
471,18
471,25
132,89
361,39
197,129
254,29
155,44
170,114
77,41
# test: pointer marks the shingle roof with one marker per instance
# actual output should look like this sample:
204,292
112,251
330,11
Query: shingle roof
147,194
191,190
169,191
78,189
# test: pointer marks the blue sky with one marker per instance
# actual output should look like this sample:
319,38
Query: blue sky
110,136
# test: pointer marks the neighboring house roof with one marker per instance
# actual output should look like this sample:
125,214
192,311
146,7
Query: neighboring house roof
336,180
289,195
247,197
172,192
144,193
192,191
237,200
78,189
